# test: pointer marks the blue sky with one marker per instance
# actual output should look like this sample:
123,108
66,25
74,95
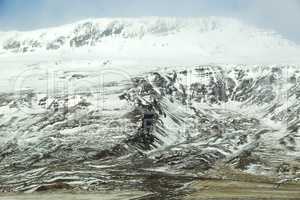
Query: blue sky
282,16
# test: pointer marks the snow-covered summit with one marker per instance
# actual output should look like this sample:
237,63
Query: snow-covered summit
209,39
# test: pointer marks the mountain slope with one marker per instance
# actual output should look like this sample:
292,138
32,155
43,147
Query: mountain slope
185,121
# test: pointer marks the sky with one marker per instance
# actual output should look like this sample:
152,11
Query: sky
282,16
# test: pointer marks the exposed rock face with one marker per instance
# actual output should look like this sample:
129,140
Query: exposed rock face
12,45
182,120
84,34
57,43
217,87
25,46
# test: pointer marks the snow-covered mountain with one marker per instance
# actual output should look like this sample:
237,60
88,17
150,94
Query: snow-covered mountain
208,39
112,103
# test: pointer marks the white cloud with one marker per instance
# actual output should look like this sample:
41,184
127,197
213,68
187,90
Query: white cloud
281,15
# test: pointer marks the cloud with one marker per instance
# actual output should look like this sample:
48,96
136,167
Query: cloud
280,15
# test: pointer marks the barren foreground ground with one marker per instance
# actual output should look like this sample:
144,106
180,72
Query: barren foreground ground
225,190
204,189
